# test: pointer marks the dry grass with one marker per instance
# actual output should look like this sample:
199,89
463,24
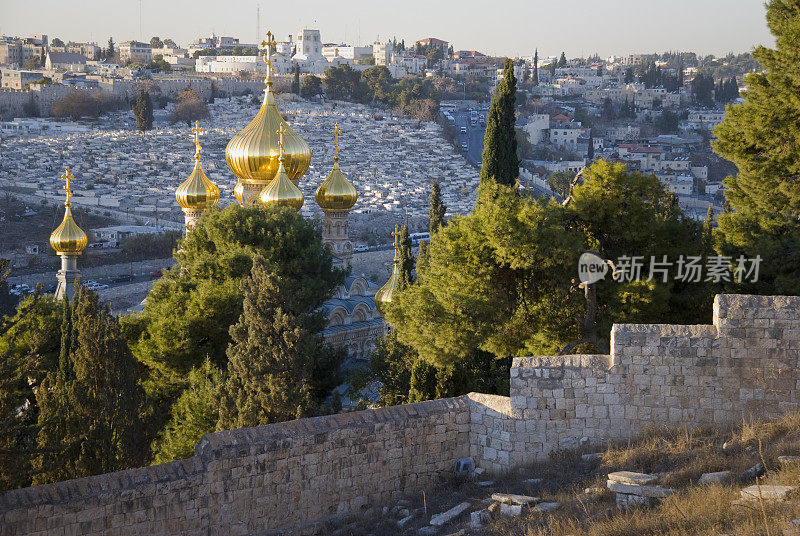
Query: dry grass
679,457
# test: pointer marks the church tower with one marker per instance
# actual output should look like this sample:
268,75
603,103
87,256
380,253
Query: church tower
336,196
252,154
197,193
69,241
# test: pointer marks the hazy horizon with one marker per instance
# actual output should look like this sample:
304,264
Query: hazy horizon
513,27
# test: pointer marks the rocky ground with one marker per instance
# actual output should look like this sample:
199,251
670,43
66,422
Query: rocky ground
722,482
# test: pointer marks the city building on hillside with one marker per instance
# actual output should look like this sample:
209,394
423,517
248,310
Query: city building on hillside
565,135
135,52
18,79
65,61
116,234
433,42
230,64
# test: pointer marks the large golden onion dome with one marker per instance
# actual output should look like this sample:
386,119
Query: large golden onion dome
197,192
68,238
252,154
386,293
336,193
282,191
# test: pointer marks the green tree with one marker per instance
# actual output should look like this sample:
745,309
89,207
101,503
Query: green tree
407,260
590,149
560,181
143,110
110,50
762,137
155,42
437,209
271,359
703,89
32,63
190,310
29,350
89,408
194,414
536,68
56,42
500,162
344,83
379,84
311,86
562,61
629,76
296,80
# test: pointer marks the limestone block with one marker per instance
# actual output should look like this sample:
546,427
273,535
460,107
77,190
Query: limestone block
720,477
632,478
438,520
509,498
655,492
767,492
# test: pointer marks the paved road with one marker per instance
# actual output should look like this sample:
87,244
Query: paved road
473,136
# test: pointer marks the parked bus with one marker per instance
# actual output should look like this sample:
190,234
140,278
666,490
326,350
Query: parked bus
416,238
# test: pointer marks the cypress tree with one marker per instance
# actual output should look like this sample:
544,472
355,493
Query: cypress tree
762,137
536,68
590,150
562,61
143,110
296,80
406,258
437,209
89,423
271,355
500,162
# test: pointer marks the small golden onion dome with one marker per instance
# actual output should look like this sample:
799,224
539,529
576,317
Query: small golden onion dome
68,238
238,192
252,154
197,192
282,191
386,292
384,295
336,193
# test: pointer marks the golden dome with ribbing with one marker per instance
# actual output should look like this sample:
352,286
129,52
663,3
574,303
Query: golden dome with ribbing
252,154
197,192
336,193
68,238
282,191
386,292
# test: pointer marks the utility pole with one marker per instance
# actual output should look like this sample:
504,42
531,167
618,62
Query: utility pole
141,37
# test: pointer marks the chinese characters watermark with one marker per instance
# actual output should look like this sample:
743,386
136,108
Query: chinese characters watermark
686,268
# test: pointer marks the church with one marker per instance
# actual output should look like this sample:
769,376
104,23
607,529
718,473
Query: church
268,158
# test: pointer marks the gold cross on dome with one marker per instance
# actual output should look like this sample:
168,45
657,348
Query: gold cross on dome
67,176
270,47
396,235
197,130
281,132
336,133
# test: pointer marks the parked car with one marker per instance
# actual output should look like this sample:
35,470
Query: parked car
156,274
463,130
122,278
361,247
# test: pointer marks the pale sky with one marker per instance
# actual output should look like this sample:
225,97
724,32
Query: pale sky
496,27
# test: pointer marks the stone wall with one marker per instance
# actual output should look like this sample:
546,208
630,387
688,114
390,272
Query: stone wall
745,365
290,477
255,480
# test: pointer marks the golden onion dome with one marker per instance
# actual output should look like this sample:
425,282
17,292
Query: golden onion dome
386,292
197,192
336,193
252,154
282,191
68,238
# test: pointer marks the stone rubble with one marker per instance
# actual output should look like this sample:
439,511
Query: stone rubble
445,517
720,477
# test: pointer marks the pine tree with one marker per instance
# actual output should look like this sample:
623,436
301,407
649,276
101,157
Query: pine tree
762,137
296,80
271,356
562,61
407,260
590,150
437,209
110,50
90,424
500,162
143,110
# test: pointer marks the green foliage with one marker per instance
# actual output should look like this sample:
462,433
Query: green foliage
155,42
559,181
110,50
190,310
668,122
500,162
311,87
762,137
193,415
562,61
407,260
499,281
158,246
271,359
89,408
437,209
56,42
703,89
344,83
29,350
296,80
143,110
